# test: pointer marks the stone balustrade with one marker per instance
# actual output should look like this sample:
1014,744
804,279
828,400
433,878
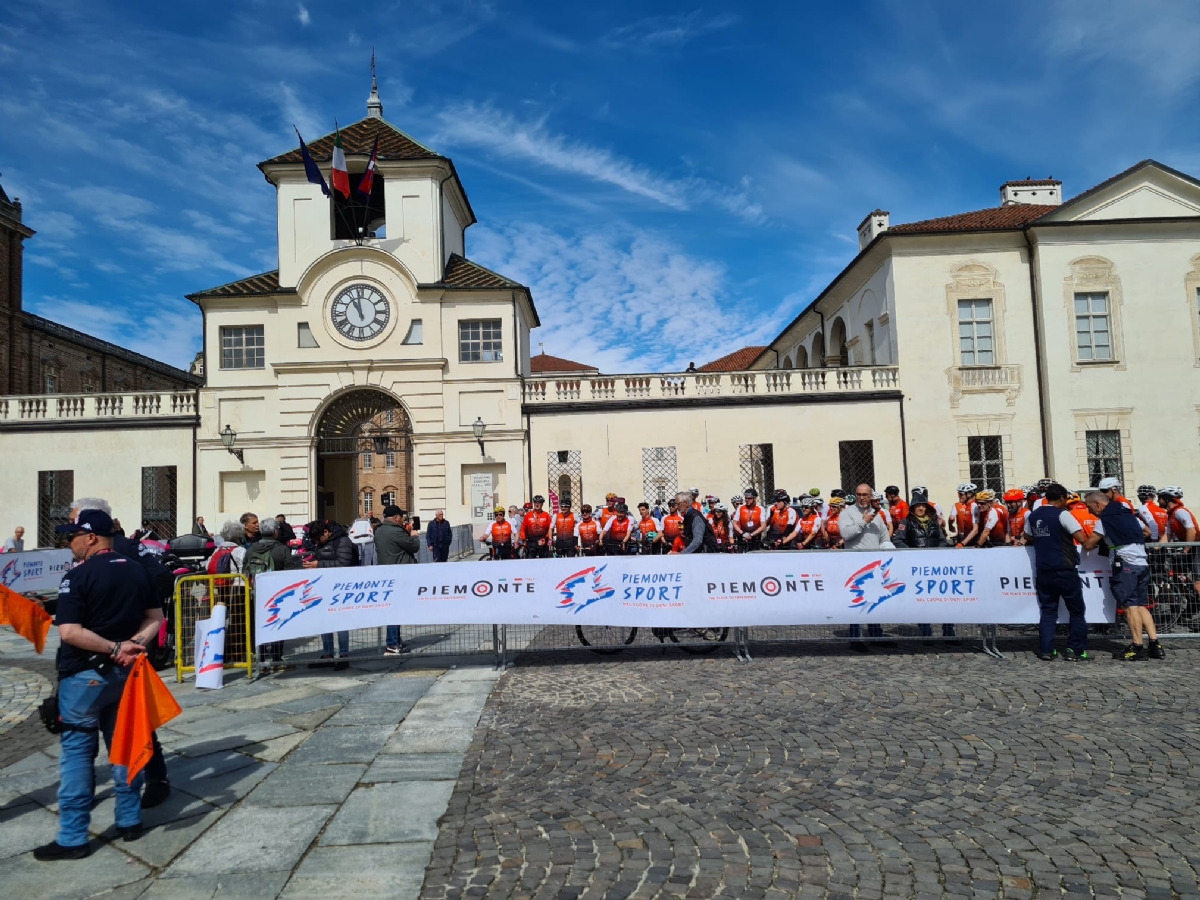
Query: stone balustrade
59,408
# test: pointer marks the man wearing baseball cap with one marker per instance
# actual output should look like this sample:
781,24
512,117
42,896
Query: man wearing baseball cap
107,614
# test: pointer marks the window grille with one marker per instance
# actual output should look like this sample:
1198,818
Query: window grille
160,497
757,465
564,475
985,455
1103,456
660,474
975,333
857,459
55,491
242,347
480,341
1092,333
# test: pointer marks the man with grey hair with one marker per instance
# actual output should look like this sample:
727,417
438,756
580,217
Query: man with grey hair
16,543
863,528
698,537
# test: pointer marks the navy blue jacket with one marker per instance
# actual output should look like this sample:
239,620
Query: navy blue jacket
439,534
1053,547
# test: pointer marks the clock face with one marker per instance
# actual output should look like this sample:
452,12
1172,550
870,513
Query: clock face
360,312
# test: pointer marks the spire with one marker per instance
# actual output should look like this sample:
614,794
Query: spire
374,104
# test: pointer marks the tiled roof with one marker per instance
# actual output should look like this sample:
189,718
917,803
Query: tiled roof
94,343
735,361
357,139
544,362
1034,182
463,274
255,285
996,218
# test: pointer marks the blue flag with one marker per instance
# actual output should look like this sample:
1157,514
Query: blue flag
310,166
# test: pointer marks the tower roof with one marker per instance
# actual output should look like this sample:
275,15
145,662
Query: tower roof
357,140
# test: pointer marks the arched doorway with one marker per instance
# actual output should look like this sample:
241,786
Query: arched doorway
364,452
818,352
837,342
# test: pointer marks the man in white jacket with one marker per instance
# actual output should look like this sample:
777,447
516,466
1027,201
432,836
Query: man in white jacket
862,527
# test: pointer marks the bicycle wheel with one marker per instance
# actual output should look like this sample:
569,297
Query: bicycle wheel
605,639
1168,607
709,639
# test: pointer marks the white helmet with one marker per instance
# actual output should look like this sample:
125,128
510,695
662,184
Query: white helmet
1109,484
967,487
1172,491
695,491
876,495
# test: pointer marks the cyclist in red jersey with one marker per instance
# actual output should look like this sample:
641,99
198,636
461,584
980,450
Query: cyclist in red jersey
695,492
535,531
588,531
992,520
807,533
1084,516
1154,517
749,520
649,531
564,531
779,529
966,515
672,526
1181,526
1014,499
618,532
499,536
896,504
610,508
722,528
831,532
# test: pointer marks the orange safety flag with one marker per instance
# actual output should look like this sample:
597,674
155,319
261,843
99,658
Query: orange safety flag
145,706
28,619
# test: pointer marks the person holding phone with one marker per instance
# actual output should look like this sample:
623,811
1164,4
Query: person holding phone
396,544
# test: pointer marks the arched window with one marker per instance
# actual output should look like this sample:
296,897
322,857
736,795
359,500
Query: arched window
801,358
837,342
818,351
787,362
357,217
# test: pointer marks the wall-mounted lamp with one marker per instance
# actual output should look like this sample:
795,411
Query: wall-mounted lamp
229,438
478,428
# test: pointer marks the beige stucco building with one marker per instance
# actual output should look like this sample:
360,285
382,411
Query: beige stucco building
1034,337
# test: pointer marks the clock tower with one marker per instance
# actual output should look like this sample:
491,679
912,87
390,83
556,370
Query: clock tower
354,372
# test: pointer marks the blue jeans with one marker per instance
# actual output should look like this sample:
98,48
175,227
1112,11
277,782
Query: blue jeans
393,636
875,631
343,643
91,700
1053,585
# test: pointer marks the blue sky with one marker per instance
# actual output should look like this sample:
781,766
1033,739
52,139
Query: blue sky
673,181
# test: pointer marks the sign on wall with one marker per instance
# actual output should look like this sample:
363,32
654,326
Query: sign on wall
994,586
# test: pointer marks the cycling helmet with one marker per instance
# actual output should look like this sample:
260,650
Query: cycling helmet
892,489
837,501
967,487
721,507
1044,483
586,509
736,499
651,535
837,492
1072,496
779,495
1172,491
1014,495
695,491
985,496
751,492
499,510
875,495
1029,489
610,496
622,508
538,498
814,492
528,506
1109,484
920,489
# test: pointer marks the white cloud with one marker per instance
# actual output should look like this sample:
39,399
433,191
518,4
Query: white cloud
164,328
667,31
302,15
293,111
504,135
625,303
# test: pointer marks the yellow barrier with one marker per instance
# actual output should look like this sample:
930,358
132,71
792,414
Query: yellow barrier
193,601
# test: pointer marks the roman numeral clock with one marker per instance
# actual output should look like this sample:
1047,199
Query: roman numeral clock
360,312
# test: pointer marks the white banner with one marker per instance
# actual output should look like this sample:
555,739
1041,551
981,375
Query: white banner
210,650
993,586
35,571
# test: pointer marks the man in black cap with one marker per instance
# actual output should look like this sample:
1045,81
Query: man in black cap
106,615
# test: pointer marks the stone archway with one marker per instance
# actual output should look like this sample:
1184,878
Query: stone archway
364,447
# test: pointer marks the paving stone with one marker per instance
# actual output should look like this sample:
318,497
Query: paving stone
362,712
358,743
24,828
276,749
312,719
253,839
106,869
250,739
302,784
414,767
397,689
227,788
256,885
389,813
447,737
360,873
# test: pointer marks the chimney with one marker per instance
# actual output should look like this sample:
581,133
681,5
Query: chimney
874,224
1046,192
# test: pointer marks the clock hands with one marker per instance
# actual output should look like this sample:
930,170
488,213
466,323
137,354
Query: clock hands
358,306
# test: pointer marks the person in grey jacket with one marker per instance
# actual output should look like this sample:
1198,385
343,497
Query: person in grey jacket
396,545
862,528
332,549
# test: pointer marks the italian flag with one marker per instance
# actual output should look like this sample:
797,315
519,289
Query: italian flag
341,175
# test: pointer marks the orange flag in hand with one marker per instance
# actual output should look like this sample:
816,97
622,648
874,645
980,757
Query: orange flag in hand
145,706
27,618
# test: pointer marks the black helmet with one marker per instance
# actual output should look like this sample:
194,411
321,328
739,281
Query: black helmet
538,498
891,489
622,507
781,494
750,492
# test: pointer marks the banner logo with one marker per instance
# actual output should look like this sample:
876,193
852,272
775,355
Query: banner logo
291,601
584,588
481,588
770,586
9,574
872,585
210,661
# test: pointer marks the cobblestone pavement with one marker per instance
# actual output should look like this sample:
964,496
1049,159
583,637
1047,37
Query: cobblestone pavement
830,775
20,693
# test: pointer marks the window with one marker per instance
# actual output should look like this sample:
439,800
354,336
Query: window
1103,455
389,459
388,498
368,502
479,341
55,492
1092,333
857,459
870,329
414,335
51,383
242,347
159,498
368,460
975,333
985,457
757,466
304,336
660,475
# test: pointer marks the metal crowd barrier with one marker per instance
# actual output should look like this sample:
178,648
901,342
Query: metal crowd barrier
194,599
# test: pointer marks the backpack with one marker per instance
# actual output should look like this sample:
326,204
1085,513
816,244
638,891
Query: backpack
257,562
220,563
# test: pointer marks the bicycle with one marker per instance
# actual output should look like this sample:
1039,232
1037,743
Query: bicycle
608,640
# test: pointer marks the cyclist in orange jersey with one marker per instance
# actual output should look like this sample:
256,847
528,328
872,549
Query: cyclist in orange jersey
831,532
618,532
1154,517
588,531
535,531
649,534
610,508
896,504
1181,526
749,520
807,533
1014,499
499,536
672,525
1084,516
993,520
779,529
966,515
564,531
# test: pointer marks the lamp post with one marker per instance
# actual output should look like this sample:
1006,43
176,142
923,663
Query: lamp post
229,438
477,427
